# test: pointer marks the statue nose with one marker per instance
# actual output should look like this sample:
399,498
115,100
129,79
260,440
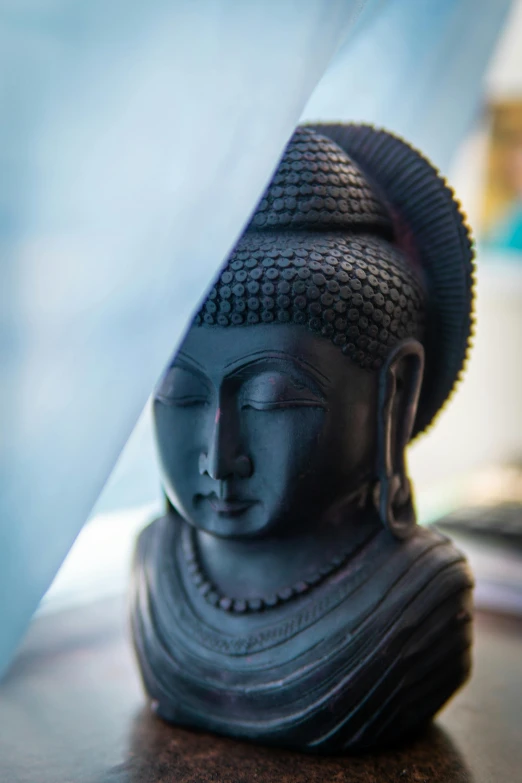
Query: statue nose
224,458
220,469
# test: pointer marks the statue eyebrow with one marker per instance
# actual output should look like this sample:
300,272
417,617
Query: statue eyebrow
279,356
252,358
187,363
188,360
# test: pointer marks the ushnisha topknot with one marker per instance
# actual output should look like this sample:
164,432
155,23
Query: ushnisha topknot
318,187
317,252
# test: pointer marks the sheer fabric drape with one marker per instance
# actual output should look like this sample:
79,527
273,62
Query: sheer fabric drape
136,139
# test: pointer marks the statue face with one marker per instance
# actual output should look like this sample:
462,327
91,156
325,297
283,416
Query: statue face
263,429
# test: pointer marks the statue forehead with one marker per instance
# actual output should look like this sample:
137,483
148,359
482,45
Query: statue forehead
216,349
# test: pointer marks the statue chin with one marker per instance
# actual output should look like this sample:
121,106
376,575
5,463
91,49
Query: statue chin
288,596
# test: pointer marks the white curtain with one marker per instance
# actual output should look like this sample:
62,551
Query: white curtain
136,139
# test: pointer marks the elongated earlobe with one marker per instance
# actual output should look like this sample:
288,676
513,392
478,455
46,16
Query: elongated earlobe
399,388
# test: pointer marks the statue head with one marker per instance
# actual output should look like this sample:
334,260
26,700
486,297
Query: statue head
299,384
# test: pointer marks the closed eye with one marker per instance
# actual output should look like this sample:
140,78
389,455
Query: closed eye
274,391
182,402
182,388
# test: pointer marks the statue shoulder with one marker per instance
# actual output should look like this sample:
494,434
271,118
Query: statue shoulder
425,570
442,554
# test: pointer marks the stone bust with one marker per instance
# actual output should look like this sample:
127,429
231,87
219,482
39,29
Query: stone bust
287,595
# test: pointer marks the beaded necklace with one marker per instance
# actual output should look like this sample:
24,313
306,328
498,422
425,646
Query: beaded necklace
218,599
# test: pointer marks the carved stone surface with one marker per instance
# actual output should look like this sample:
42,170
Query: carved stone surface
288,596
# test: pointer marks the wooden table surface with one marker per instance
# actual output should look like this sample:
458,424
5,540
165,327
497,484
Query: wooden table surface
72,710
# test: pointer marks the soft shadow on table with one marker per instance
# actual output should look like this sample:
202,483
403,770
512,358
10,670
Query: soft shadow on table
160,753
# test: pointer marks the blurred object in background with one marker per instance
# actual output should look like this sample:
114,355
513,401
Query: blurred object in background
501,223
487,526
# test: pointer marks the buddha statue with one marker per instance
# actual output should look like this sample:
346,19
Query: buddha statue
288,595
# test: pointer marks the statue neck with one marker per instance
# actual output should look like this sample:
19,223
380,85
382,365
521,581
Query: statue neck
263,566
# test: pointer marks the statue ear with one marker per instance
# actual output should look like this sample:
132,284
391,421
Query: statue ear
399,388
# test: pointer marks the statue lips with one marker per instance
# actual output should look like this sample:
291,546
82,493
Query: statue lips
228,507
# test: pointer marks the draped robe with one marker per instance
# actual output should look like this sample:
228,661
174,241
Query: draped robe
367,656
